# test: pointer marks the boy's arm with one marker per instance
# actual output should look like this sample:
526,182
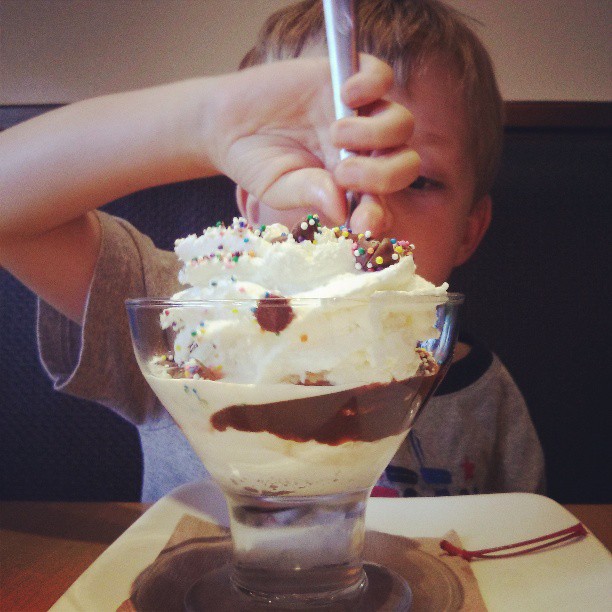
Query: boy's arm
58,167
267,128
95,360
58,264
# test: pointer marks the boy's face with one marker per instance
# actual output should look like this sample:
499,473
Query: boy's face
437,213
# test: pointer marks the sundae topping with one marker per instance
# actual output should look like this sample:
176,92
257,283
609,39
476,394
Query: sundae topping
429,365
189,369
306,229
281,272
373,255
273,313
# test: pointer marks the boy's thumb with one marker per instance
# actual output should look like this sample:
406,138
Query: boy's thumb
311,189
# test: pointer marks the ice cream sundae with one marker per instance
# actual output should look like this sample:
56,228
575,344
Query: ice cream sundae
296,363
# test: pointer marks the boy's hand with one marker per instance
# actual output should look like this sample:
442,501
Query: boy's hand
269,130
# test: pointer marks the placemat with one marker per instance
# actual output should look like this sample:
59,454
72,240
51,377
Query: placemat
438,581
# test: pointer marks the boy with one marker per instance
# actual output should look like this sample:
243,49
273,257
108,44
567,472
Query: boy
58,168
476,431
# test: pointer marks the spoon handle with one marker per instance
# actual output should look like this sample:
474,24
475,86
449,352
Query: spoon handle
343,61
342,50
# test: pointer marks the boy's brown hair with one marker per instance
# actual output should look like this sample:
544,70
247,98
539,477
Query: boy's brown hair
406,34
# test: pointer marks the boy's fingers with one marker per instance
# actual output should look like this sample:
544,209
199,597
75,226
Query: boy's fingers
390,125
370,83
370,215
381,173
313,189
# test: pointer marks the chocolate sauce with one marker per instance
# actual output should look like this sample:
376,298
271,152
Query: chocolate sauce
364,414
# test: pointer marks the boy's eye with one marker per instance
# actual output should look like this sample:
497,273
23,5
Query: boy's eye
422,182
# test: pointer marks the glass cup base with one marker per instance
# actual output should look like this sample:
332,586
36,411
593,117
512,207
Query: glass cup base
382,589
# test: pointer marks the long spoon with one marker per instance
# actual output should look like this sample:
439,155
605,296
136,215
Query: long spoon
343,61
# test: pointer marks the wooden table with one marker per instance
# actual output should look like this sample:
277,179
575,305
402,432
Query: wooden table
44,547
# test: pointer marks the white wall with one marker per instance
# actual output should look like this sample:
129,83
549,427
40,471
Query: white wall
63,50
547,49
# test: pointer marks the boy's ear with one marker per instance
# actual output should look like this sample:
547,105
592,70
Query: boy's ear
248,205
476,227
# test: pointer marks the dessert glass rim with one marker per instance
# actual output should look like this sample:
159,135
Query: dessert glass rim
417,298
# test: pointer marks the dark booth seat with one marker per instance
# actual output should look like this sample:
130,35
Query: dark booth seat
537,293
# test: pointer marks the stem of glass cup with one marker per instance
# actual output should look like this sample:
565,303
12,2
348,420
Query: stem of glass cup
299,549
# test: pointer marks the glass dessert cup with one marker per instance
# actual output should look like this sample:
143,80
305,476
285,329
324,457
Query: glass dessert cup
295,452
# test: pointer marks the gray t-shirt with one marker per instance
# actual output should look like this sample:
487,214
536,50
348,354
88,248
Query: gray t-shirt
474,436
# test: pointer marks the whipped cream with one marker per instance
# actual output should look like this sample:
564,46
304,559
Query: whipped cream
285,325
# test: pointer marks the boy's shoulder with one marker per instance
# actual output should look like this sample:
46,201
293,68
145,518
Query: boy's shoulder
478,391
473,361
479,384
